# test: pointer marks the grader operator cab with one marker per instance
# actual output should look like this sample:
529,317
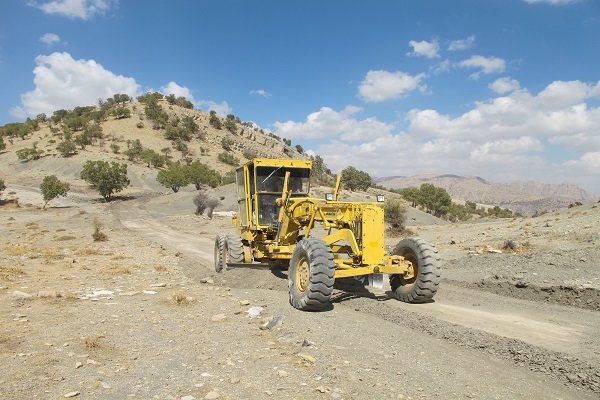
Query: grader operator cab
320,239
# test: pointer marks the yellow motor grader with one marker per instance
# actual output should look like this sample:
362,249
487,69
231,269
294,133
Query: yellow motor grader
320,239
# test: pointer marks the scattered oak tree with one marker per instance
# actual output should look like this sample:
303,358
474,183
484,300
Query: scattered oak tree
51,188
106,178
354,179
174,177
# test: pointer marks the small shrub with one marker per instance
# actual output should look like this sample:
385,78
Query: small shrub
51,188
140,124
115,148
180,299
395,215
204,202
98,235
228,158
226,143
250,154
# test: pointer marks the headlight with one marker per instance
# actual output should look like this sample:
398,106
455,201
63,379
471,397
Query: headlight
380,198
329,196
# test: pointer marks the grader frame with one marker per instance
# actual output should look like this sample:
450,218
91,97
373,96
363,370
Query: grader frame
322,239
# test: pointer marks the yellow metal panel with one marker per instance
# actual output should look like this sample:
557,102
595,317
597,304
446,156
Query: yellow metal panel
372,235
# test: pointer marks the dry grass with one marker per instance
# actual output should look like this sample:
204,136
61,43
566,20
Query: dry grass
120,257
116,270
180,299
516,247
7,273
87,251
93,343
160,268
98,235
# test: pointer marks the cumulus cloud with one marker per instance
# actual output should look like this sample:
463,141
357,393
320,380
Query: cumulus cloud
503,138
179,91
328,123
63,82
221,108
83,9
504,85
553,2
261,93
384,85
462,44
485,65
50,38
424,48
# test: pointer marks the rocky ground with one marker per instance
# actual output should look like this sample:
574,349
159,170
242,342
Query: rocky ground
144,315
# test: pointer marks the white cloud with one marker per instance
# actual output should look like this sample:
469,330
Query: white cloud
178,91
84,9
328,123
221,108
504,85
384,85
261,93
502,139
553,2
424,48
486,65
63,82
50,38
462,44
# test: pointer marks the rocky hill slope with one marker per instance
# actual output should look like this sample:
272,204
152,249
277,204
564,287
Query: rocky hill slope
523,197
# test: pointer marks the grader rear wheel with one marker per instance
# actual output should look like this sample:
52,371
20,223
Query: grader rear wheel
426,263
220,252
311,275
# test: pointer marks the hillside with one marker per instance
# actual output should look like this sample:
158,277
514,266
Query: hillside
243,141
523,197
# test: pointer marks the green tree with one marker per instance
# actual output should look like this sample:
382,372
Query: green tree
151,157
121,112
106,178
82,140
214,120
412,195
299,149
51,188
2,144
354,179
227,143
134,149
66,148
199,174
230,124
174,177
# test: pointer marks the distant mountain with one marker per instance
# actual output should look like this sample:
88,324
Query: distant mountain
523,197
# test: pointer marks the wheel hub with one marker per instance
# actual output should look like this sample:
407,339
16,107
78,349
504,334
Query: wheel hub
302,273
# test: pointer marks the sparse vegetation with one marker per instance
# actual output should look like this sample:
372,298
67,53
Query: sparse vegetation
199,174
228,158
28,154
52,187
395,216
214,120
204,202
66,148
227,143
98,235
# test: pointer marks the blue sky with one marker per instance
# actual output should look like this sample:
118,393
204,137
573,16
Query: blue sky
506,90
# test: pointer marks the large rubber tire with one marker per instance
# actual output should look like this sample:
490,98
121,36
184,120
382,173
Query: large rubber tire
220,252
311,275
426,261
235,249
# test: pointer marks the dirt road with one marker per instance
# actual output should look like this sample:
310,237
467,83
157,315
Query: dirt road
144,315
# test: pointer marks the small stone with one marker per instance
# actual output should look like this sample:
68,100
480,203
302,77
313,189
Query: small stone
149,292
268,393
188,397
198,385
105,385
234,380
322,389
244,303
71,394
208,280
212,395
48,294
78,365
282,373
255,312
162,284
273,323
17,294
218,318
306,343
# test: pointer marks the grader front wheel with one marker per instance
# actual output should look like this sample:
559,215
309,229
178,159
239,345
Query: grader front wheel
228,249
426,264
311,275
